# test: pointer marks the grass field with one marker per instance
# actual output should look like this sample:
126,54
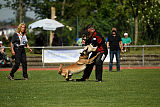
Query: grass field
129,88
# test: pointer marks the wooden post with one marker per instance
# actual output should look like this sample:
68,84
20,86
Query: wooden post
20,11
63,5
53,12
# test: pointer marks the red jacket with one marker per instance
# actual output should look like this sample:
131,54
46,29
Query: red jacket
99,41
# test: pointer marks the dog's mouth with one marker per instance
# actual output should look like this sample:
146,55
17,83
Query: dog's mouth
84,53
81,54
84,57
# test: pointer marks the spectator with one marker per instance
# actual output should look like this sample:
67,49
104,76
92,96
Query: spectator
84,37
79,42
4,38
39,42
113,42
126,41
2,53
4,59
56,41
18,43
1,47
106,39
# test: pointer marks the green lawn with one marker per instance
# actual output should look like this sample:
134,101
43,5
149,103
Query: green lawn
129,88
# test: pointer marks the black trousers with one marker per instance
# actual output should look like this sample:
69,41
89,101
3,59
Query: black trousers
20,57
98,62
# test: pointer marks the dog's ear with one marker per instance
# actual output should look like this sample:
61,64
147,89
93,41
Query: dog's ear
87,51
81,54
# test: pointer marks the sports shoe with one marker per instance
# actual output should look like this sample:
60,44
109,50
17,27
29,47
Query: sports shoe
10,77
98,81
25,78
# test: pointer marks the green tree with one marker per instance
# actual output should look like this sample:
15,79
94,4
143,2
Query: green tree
104,14
150,21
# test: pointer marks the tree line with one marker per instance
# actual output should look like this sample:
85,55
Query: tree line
139,18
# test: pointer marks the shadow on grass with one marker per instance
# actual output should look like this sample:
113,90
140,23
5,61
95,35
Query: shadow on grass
74,80
18,79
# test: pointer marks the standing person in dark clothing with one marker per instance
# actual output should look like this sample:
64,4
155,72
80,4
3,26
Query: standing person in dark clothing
18,42
114,42
95,39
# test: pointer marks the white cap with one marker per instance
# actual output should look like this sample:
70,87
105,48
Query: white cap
1,42
125,34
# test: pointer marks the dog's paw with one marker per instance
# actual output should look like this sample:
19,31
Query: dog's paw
67,79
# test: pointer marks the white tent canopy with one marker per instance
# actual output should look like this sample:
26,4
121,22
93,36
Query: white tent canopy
46,24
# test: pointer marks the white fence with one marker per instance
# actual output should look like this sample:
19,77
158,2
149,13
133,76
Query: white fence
80,47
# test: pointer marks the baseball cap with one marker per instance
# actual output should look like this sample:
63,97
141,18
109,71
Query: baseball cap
1,42
125,34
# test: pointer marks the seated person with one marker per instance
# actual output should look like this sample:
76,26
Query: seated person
84,37
56,41
2,53
4,59
4,38
126,41
79,42
3,35
39,41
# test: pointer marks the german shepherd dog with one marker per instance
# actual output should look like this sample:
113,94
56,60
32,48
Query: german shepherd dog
78,66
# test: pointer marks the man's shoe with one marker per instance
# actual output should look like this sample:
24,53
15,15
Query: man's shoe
82,79
98,81
10,77
25,78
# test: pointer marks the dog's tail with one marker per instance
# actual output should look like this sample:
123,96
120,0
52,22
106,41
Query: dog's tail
60,69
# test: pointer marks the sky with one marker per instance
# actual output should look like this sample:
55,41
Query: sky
7,13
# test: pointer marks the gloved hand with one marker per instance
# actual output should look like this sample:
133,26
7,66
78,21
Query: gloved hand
13,56
94,42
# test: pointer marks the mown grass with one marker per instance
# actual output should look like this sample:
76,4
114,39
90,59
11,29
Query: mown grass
129,88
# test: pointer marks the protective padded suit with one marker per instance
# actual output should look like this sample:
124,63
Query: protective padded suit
96,40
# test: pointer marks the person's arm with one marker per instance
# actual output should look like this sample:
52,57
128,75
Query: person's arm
108,44
121,47
6,37
12,50
29,48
